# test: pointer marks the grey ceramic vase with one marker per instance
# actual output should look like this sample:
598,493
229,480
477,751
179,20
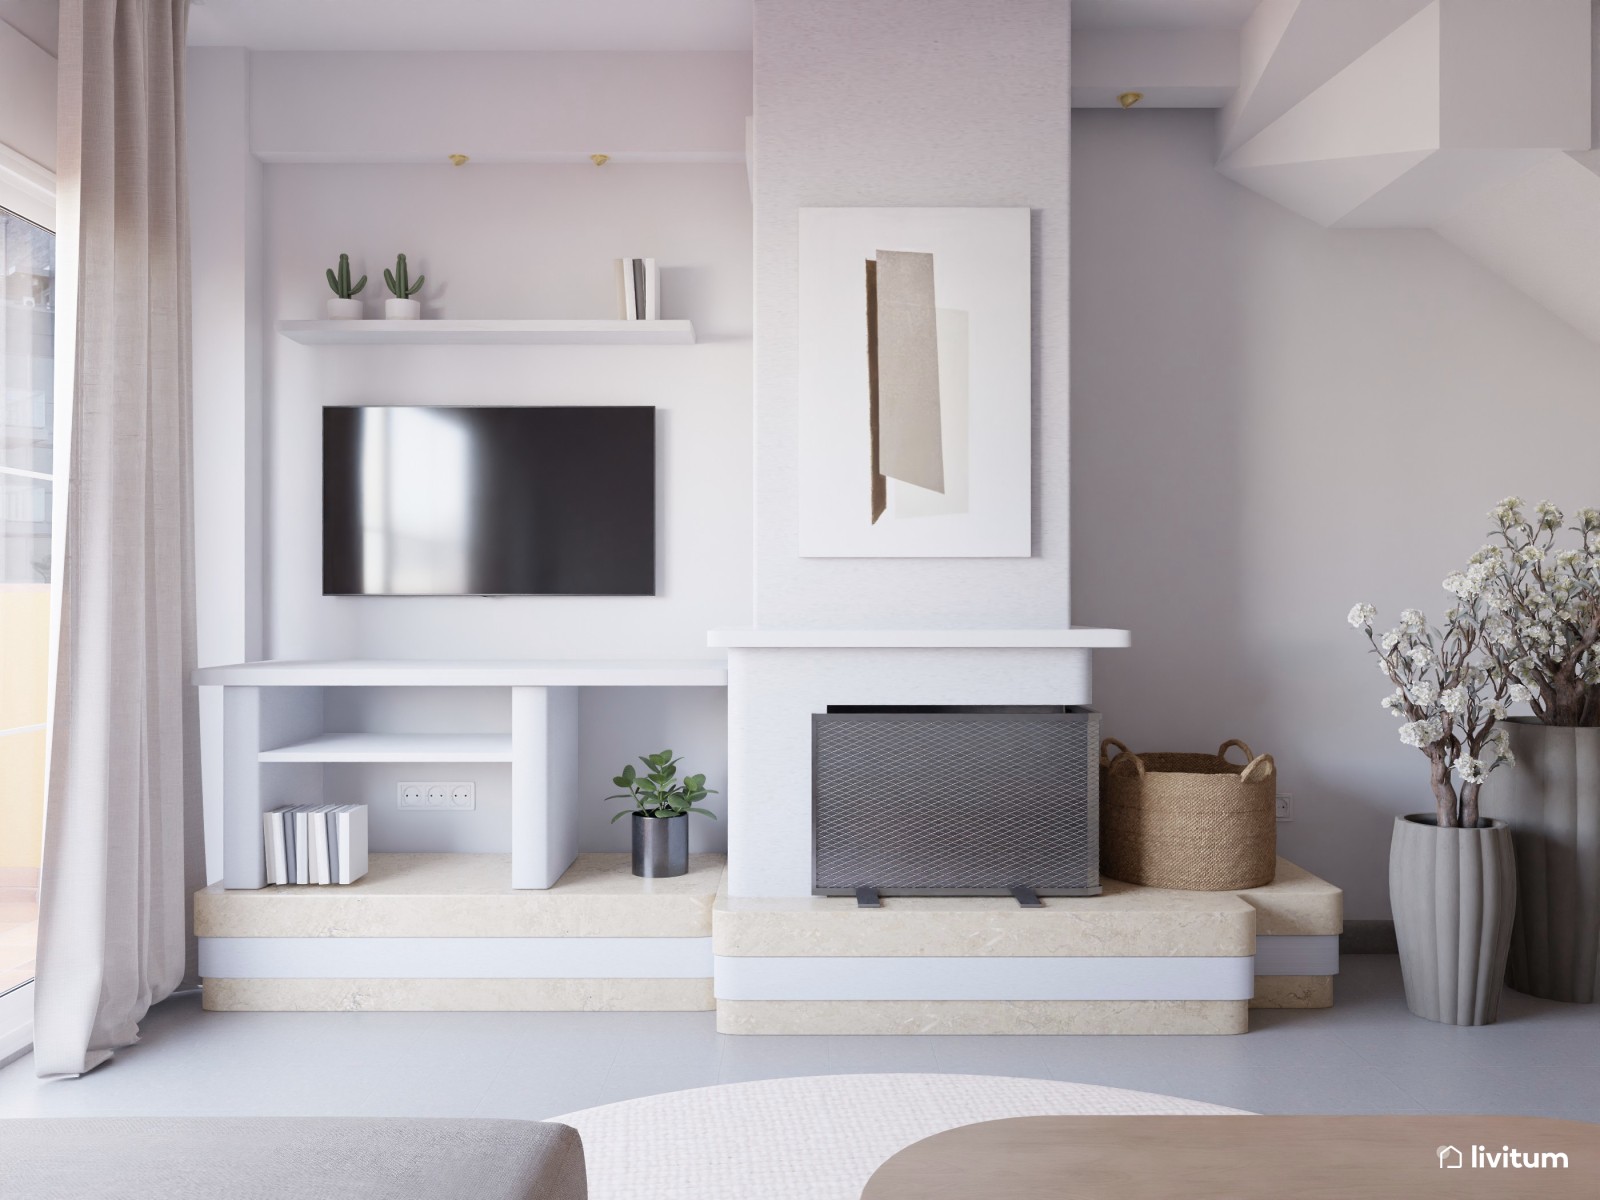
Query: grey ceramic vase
1454,894
1551,799
660,846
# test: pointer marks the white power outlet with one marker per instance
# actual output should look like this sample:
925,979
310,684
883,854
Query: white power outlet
457,796
1285,808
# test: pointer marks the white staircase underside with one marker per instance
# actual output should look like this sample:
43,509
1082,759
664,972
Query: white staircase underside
1469,117
1540,231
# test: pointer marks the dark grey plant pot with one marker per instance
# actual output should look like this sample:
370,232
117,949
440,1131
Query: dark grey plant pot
1551,799
1454,894
660,846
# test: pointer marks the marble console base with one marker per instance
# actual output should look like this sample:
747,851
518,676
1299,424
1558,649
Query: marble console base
982,1016
1293,991
457,995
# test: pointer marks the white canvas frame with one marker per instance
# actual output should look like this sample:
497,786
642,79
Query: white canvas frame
982,266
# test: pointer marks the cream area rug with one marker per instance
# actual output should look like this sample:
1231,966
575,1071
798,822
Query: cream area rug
817,1137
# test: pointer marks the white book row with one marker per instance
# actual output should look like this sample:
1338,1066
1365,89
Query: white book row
316,843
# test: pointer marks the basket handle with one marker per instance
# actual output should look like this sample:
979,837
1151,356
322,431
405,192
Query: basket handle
1268,769
1123,755
1222,750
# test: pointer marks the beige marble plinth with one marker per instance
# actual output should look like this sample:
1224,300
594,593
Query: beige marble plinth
1296,902
457,995
981,1016
470,895
1293,991
1124,921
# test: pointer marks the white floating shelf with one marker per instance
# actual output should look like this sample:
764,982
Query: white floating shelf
395,748
708,672
489,333
1081,637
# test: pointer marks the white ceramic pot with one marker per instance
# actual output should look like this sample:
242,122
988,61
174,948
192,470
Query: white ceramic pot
402,310
345,310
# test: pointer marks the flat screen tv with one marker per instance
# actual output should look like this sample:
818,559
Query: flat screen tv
471,501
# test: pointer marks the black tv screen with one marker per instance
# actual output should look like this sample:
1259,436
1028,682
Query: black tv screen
470,501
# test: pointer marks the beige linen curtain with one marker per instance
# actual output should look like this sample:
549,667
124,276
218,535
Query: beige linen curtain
123,846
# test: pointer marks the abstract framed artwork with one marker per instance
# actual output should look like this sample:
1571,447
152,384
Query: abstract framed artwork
915,383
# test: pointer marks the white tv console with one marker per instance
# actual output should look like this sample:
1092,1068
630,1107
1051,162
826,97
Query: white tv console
274,732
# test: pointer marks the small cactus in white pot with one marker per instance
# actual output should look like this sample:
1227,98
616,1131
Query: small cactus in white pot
344,306
400,306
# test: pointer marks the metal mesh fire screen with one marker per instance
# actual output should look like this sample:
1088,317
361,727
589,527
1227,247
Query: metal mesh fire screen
947,800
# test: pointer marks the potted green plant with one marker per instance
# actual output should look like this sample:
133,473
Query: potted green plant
1544,644
344,306
400,306
1452,872
662,803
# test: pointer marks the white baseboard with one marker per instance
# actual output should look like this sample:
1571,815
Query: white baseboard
1297,954
1036,978
455,958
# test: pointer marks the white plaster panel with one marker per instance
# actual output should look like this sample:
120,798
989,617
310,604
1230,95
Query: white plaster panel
943,106
772,694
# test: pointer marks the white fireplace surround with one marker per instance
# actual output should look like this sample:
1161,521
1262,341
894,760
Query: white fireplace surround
778,678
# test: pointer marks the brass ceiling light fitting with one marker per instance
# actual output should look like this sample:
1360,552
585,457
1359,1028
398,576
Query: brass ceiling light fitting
599,160
458,160
1129,99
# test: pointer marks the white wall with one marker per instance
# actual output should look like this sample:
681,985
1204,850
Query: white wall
28,113
1272,421
522,231
517,240
909,102
503,240
225,238
497,107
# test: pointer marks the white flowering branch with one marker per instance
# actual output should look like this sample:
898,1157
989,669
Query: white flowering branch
1544,631
1447,699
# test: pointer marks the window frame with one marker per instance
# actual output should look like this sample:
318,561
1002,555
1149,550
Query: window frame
29,190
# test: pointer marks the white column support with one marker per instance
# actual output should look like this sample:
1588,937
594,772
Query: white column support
243,862
544,818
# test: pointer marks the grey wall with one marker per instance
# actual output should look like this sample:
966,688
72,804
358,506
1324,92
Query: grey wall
1271,422
908,102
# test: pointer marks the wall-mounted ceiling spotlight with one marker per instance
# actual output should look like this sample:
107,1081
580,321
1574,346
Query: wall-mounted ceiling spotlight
458,160
599,160
1129,99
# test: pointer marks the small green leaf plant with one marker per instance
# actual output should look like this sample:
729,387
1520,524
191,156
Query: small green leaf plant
399,280
659,792
340,283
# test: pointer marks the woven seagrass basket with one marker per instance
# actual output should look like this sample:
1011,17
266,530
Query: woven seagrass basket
1191,821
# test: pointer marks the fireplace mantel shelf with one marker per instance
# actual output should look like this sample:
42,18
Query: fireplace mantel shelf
1008,639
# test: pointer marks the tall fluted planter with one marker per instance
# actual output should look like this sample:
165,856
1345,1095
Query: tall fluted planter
1453,892
1550,797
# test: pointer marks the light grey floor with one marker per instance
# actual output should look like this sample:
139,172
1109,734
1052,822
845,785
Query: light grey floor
1366,1055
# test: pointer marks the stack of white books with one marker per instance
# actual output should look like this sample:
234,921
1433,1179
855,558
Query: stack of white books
316,843
638,289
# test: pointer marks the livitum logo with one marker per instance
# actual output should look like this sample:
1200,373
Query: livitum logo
1483,1157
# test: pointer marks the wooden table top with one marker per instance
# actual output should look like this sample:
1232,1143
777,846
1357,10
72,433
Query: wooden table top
1245,1158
